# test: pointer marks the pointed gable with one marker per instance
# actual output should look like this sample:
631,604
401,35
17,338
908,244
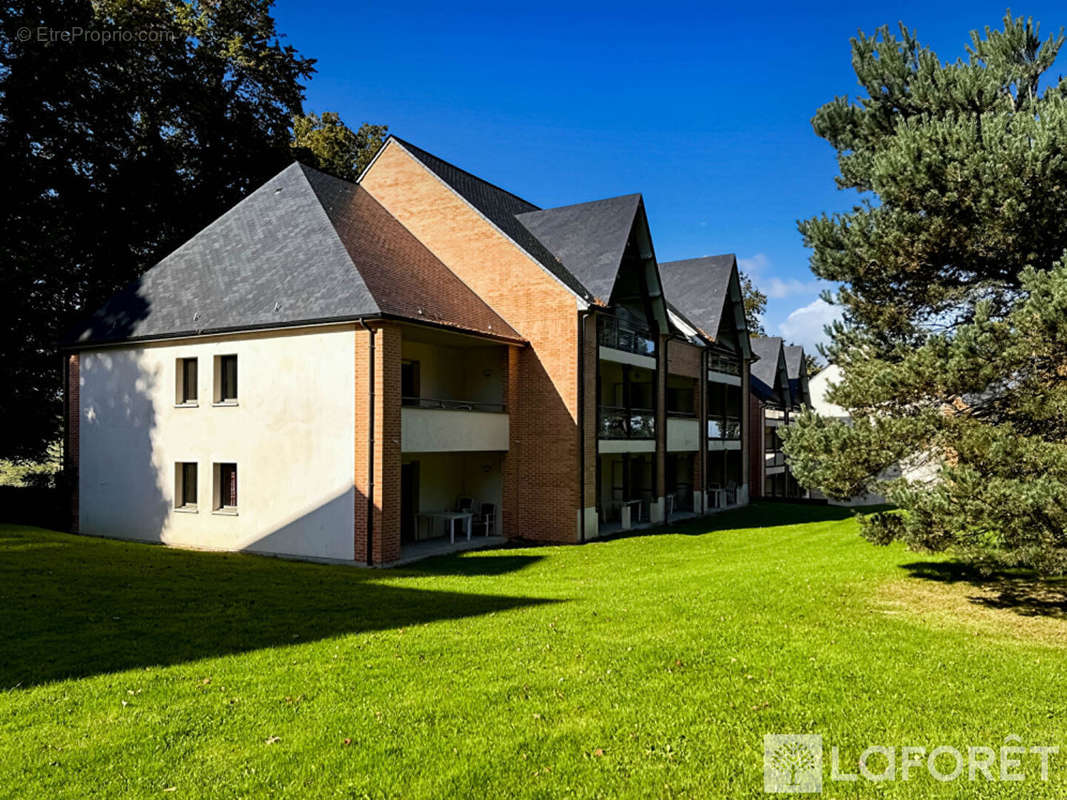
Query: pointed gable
796,369
707,291
303,248
770,380
498,206
588,238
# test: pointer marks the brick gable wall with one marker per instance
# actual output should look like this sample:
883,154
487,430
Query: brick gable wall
543,456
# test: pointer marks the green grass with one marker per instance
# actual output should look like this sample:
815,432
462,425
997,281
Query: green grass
644,666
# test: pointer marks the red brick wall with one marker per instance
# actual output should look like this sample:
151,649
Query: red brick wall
683,359
72,447
544,438
386,498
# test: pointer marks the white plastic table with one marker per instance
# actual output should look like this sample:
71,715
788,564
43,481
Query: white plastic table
451,517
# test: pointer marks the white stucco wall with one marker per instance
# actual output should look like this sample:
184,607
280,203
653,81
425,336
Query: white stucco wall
291,435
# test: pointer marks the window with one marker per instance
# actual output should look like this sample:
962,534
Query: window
185,392
185,485
226,487
226,380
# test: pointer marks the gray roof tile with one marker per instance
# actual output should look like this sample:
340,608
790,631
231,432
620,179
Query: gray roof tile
279,258
588,238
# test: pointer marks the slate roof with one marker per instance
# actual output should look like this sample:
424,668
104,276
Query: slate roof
794,360
698,287
588,238
303,248
500,207
768,349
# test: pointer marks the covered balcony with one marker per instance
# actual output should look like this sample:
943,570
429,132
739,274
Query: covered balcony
453,390
724,416
624,341
626,492
683,425
627,416
726,485
443,496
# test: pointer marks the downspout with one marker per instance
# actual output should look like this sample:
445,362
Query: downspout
702,451
583,315
370,446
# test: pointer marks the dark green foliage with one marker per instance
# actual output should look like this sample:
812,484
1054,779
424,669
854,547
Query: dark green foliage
755,305
115,149
326,143
955,297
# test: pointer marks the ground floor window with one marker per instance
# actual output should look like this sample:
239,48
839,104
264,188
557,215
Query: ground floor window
185,485
225,487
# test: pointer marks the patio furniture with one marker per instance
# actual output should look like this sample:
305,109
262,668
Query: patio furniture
486,518
628,515
450,518
465,504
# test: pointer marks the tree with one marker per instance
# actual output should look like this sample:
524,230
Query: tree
117,144
755,305
331,146
954,295
812,365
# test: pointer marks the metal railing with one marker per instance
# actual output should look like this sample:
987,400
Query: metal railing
724,364
622,423
452,405
620,336
724,428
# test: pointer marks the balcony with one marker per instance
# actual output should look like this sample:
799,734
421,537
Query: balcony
625,344
726,429
683,432
452,391
623,423
453,426
773,458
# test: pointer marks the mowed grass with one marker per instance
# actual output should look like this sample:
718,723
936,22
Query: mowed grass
648,666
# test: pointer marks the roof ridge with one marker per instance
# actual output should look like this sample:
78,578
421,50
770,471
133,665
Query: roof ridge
406,144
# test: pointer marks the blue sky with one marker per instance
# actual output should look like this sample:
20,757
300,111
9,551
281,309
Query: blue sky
705,109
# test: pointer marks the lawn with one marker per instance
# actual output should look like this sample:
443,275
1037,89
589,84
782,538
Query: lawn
648,666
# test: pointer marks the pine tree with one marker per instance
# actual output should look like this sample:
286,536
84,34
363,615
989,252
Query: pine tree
954,292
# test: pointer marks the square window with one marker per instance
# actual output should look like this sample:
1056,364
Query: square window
226,379
185,384
185,485
226,487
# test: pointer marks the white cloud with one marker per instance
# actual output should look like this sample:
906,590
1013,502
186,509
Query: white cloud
804,325
753,265
756,268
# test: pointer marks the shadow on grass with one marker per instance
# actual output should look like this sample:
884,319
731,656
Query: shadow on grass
1020,591
77,606
760,515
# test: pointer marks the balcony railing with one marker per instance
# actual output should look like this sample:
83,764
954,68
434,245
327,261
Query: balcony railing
622,337
725,364
622,423
452,405
724,429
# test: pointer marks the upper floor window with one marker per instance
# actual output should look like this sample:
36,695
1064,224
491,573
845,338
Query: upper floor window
226,379
185,383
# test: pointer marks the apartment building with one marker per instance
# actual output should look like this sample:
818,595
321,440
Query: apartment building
779,389
349,371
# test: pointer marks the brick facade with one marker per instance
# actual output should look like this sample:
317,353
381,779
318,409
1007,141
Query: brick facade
544,433
385,506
